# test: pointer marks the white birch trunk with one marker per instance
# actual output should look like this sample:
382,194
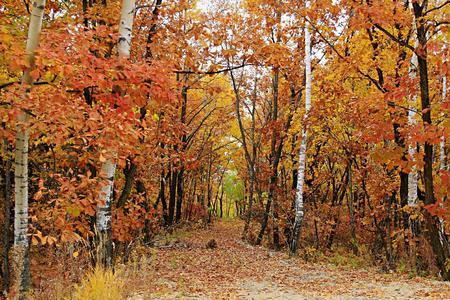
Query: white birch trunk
442,163
299,205
126,28
19,255
412,176
412,103
412,147
108,169
442,160
103,209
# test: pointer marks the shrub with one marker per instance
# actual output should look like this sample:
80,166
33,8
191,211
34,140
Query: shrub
99,284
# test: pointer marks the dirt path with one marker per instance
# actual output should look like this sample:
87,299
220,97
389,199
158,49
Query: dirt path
185,269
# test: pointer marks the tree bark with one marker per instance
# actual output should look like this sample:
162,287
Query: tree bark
103,220
180,179
440,247
19,255
173,175
6,225
276,152
299,201
162,195
351,210
220,187
412,176
221,202
442,158
108,169
129,172
249,159
273,167
153,29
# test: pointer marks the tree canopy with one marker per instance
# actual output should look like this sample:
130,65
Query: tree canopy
318,123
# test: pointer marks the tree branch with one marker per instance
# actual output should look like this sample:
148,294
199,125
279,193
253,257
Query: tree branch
191,136
395,39
214,72
370,78
191,118
4,85
436,8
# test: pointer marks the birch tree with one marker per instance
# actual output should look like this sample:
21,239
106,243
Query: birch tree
108,168
412,176
20,275
442,160
299,201
442,163
412,151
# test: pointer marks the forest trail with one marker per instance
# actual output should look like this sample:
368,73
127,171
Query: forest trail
183,268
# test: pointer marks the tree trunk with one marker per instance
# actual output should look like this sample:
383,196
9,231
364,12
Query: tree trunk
162,193
442,158
442,161
6,225
126,28
180,179
351,211
209,189
221,203
388,222
173,175
274,168
440,247
103,221
299,205
250,160
219,187
337,199
191,199
153,29
412,149
108,169
19,255
412,176
129,172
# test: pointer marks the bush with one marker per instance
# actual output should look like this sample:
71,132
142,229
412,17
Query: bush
99,284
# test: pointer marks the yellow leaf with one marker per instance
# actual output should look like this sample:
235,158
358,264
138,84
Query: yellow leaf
38,195
75,254
51,240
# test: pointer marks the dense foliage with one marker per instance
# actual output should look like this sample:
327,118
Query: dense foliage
204,120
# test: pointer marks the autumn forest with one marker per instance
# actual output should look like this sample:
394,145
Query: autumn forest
224,149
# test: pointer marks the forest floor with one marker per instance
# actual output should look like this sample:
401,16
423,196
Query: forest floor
184,268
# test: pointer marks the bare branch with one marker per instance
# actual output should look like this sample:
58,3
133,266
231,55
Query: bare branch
214,72
437,7
370,78
6,84
394,38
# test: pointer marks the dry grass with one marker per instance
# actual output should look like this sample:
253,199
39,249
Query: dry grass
99,284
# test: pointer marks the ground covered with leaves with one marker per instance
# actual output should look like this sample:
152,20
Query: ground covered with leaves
186,266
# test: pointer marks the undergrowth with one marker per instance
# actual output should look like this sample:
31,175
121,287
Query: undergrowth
339,257
99,284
